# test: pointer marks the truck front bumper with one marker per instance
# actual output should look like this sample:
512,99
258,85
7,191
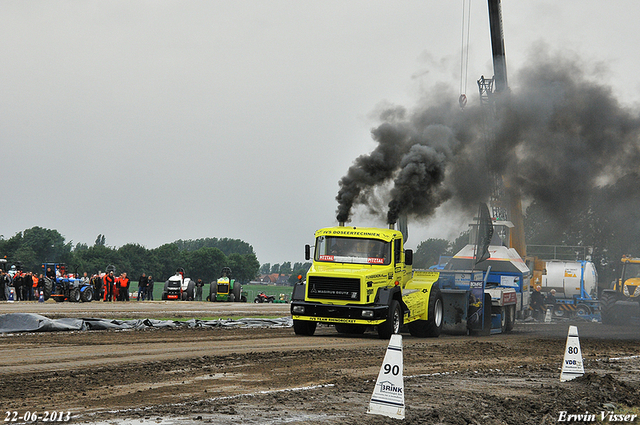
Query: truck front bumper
362,314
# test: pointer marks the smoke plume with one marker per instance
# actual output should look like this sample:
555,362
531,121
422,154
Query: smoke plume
559,134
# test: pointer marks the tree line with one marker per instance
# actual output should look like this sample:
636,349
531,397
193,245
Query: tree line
201,258
293,271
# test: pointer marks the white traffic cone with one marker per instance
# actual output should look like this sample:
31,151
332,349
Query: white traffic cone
572,365
547,315
388,395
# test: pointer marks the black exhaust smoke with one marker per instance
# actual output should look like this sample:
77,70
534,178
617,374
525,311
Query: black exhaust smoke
559,136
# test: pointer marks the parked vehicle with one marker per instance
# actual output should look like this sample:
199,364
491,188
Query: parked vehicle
263,298
178,287
62,286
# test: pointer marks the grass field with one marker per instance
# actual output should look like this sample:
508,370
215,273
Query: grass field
251,290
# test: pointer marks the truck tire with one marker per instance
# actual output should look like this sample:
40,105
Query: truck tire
433,326
583,310
486,330
502,311
511,317
607,309
302,327
343,328
87,295
393,323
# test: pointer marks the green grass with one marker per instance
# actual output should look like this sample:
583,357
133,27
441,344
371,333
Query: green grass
251,290
186,319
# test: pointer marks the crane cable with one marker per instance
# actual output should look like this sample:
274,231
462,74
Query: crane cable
464,51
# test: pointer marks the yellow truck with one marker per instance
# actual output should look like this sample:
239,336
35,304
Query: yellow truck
362,277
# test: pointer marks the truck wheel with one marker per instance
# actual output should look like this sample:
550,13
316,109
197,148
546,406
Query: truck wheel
302,327
486,309
350,329
393,323
433,326
87,295
583,310
511,317
164,296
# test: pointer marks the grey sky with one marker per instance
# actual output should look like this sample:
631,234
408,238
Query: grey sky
151,121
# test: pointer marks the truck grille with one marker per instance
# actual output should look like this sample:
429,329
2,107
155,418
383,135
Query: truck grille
223,289
334,288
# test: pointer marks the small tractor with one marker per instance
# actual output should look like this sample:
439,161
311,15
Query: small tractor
178,287
64,287
620,305
264,298
226,289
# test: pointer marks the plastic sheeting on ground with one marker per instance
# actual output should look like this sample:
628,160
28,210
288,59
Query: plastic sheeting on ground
31,322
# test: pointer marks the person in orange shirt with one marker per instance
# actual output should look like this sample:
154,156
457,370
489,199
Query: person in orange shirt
109,283
123,287
34,287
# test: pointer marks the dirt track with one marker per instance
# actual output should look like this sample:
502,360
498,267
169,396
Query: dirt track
261,376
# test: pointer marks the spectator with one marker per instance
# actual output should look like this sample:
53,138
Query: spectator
199,286
142,287
550,299
537,303
150,288
5,281
109,283
123,287
96,282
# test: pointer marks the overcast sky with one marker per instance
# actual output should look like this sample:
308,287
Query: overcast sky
152,121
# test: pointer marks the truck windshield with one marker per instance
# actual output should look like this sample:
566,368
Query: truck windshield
352,250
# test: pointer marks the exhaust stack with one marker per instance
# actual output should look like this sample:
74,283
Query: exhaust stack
392,226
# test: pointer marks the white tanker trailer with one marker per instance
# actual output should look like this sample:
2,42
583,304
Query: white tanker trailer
576,286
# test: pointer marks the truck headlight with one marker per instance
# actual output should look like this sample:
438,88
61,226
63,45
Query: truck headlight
367,313
636,293
298,309
626,291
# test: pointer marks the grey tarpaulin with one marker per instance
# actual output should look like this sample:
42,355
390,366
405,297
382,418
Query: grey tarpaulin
31,322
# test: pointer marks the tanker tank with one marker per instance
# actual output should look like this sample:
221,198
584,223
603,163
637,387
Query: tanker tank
570,278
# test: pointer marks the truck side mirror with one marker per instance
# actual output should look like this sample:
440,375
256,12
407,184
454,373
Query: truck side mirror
307,252
408,257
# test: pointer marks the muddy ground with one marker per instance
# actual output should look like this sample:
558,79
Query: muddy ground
271,376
